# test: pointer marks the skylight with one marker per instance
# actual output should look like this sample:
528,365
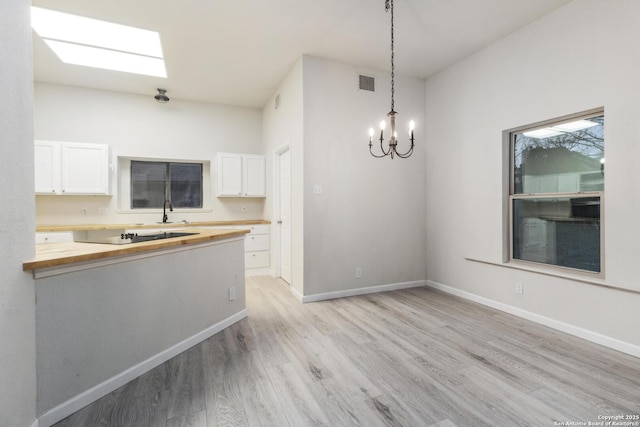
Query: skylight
100,44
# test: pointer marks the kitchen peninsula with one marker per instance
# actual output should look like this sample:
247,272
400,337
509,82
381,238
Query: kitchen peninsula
257,241
106,314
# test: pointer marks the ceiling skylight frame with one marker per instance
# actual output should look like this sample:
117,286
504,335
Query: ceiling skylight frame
77,40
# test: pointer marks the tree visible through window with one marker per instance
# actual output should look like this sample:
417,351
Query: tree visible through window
557,188
153,183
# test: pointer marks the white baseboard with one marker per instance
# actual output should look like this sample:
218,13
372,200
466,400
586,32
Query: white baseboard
83,399
295,293
358,291
586,334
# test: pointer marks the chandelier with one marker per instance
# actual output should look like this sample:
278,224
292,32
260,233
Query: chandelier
392,145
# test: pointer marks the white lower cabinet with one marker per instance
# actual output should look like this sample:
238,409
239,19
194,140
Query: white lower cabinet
256,242
256,260
256,247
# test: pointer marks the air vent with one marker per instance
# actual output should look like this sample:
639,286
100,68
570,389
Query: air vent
367,83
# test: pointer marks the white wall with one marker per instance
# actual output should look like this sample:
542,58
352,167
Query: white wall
281,127
138,126
96,324
582,56
17,302
371,211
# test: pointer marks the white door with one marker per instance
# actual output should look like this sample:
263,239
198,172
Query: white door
285,215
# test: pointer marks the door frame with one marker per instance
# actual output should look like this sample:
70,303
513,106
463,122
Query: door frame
276,207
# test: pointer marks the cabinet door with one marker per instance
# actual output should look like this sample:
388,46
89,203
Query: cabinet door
47,167
85,168
229,175
254,176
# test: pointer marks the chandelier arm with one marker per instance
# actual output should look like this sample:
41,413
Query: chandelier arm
387,152
375,155
409,151
407,154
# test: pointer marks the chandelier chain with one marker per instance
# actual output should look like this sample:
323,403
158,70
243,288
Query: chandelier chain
392,59
393,140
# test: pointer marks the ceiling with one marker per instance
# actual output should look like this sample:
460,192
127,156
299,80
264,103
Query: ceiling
237,52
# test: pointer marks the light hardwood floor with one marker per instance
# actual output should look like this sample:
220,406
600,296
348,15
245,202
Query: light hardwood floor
415,357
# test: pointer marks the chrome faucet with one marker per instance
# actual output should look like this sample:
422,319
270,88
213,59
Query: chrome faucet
165,217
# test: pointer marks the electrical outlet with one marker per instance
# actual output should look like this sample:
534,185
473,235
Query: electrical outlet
519,289
358,273
317,189
232,293
84,211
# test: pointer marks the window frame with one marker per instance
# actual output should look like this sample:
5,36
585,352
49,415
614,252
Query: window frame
510,197
167,184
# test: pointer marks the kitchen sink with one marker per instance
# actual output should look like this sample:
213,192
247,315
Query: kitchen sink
122,237
158,236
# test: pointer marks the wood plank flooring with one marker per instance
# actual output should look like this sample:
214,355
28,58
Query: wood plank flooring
415,357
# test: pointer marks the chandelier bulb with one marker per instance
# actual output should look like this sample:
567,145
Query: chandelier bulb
412,125
382,125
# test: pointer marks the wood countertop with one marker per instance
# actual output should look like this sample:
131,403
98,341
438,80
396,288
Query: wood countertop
60,254
84,227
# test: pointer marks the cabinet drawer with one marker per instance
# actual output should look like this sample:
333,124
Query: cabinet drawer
258,242
258,229
54,237
256,259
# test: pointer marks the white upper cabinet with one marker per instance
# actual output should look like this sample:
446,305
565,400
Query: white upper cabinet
241,175
85,168
229,175
253,167
71,168
47,167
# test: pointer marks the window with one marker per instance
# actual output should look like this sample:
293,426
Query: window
556,192
152,183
